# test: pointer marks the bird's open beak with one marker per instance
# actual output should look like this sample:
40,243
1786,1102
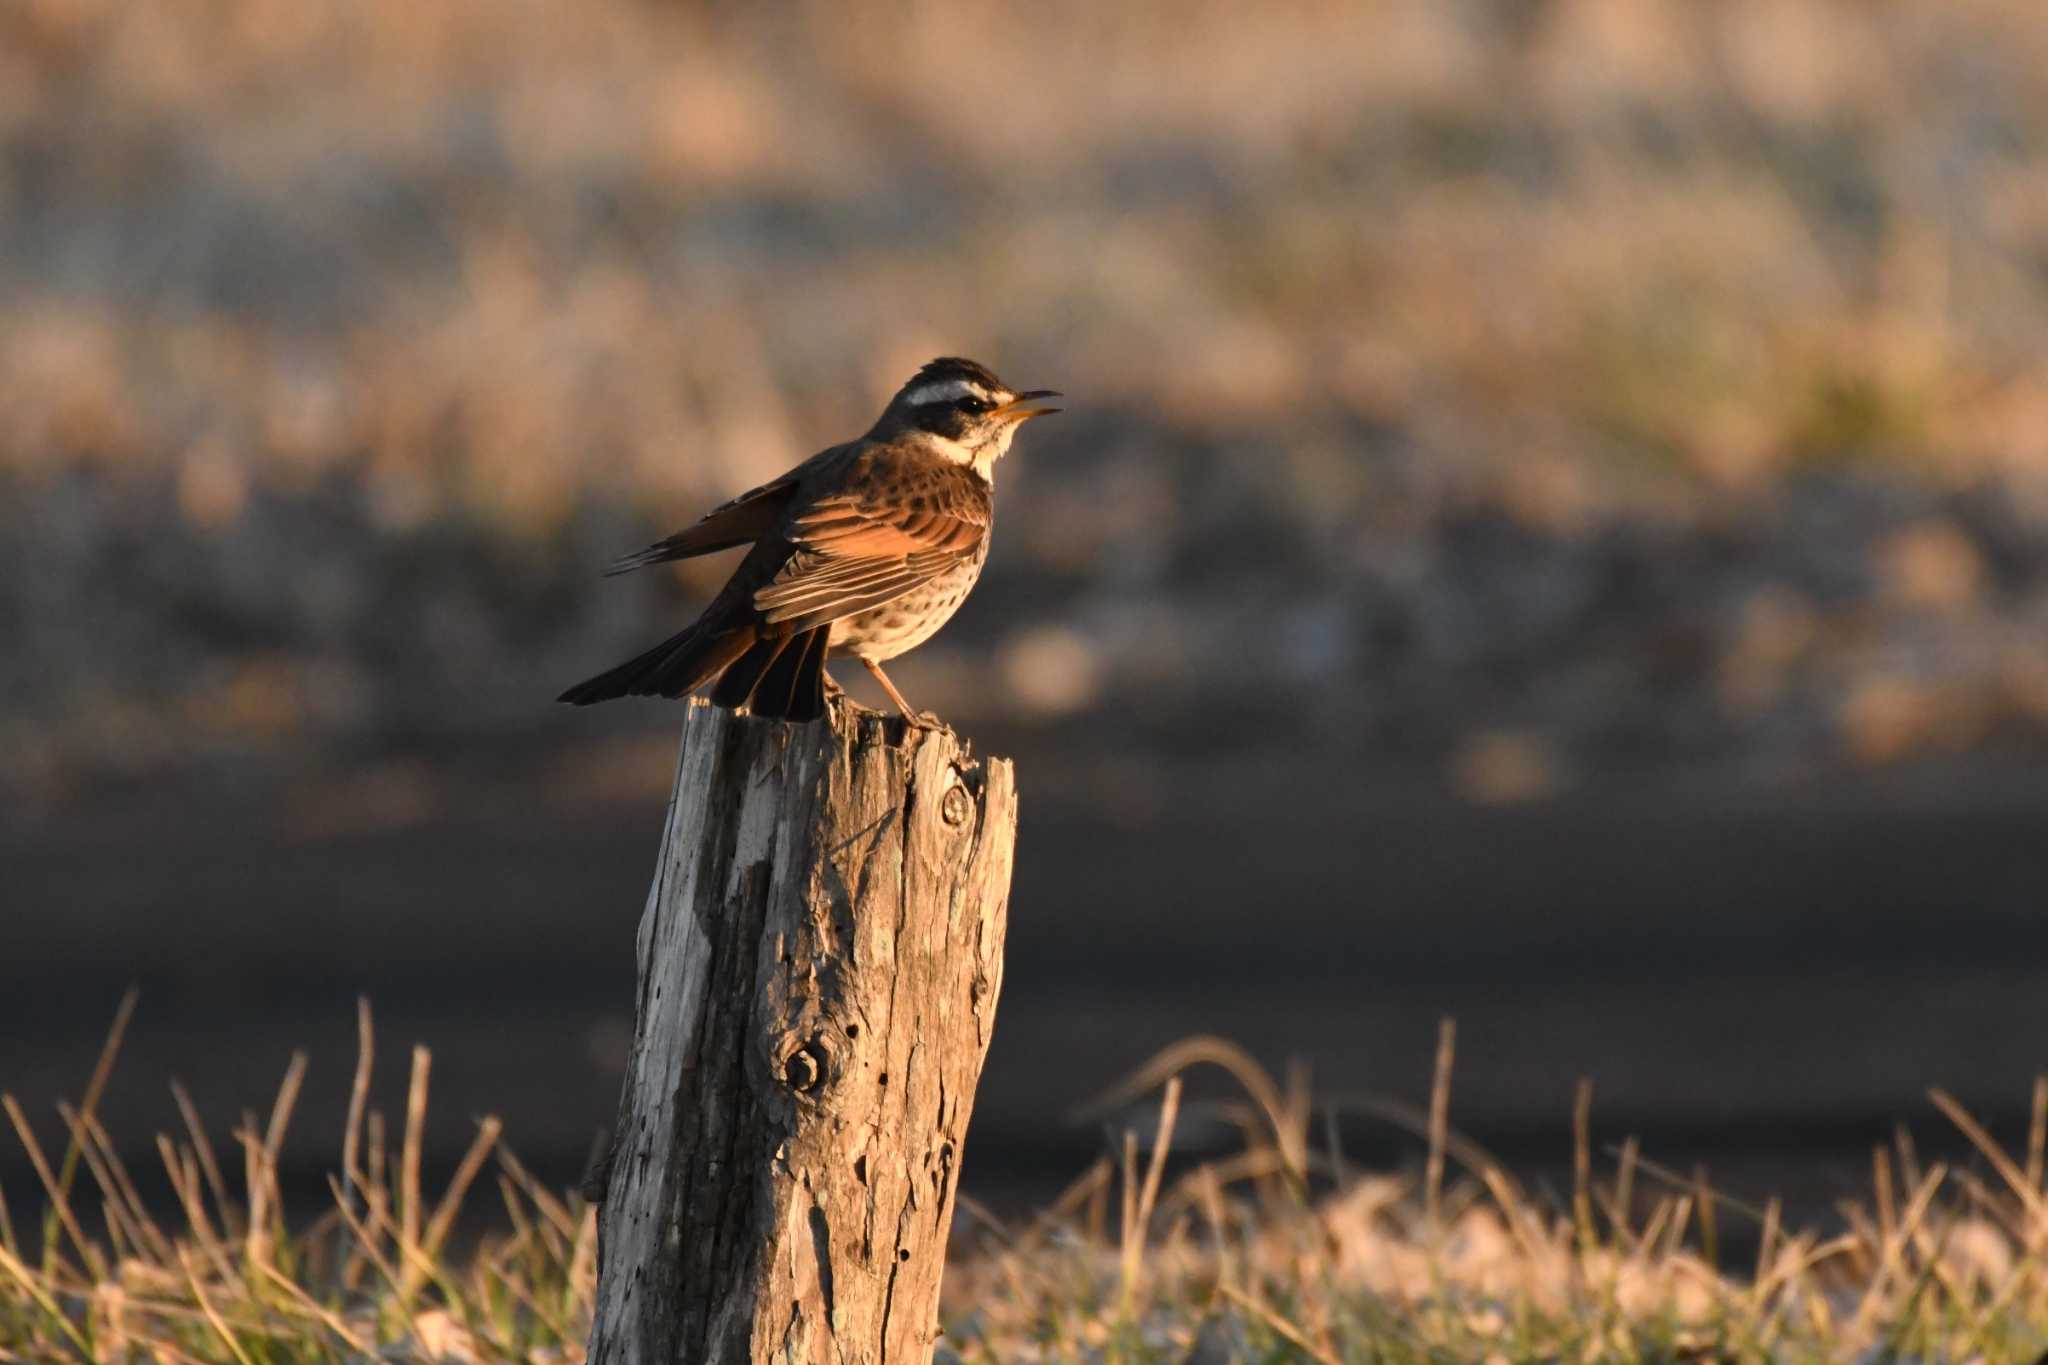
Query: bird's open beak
1021,408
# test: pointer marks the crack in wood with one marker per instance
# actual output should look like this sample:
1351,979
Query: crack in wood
821,1249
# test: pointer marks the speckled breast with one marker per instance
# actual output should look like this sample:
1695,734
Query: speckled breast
903,623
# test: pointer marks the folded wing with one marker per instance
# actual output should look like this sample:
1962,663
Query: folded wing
855,551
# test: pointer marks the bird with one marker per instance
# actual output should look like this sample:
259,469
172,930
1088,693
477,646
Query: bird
863,550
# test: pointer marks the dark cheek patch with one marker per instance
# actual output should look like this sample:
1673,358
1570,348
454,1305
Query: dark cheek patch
942,420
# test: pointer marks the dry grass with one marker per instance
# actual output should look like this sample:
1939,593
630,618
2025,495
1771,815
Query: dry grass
1286,1253
1279,1252
373,1278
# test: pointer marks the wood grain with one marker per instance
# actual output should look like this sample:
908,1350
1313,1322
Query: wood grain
820,959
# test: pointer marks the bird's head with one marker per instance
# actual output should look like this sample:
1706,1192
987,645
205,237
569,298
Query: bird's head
962,411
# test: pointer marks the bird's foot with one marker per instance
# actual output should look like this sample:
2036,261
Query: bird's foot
835,695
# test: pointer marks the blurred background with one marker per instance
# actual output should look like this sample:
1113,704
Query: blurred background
1550,527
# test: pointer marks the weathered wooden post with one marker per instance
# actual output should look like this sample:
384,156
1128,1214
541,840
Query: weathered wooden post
819,963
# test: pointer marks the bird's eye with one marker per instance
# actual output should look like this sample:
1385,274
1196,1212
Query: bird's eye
974,405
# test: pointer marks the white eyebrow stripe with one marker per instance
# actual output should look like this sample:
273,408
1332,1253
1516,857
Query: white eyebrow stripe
945,390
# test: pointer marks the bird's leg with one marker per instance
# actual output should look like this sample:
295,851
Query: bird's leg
901,705
890,688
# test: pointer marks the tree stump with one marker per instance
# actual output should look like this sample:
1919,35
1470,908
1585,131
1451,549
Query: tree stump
819,963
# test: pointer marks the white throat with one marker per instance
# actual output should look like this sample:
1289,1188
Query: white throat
981,459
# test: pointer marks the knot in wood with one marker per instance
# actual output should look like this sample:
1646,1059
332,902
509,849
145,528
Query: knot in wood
956,807
804,1069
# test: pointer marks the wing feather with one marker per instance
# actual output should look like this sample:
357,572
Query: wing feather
898,526
753,514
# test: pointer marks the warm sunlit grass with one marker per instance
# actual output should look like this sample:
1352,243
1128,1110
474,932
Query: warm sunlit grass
229,1281
1281,1252
1285,1253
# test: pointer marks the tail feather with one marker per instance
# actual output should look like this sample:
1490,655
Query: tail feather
793,688
677,666
736,686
